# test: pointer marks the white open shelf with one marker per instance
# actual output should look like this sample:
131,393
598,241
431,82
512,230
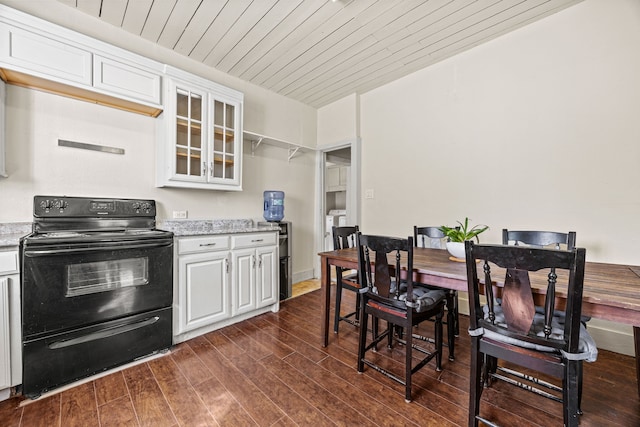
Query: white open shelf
256,140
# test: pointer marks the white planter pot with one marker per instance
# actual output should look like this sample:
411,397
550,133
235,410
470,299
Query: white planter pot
456,249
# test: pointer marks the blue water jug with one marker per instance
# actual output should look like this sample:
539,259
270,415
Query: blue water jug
273,205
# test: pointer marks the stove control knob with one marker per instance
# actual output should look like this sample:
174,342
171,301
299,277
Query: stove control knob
45,204
60,204
136,207
146,207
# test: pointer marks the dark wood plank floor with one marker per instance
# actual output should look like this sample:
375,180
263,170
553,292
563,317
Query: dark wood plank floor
271,371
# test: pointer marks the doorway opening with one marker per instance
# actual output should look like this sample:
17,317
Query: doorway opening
339,189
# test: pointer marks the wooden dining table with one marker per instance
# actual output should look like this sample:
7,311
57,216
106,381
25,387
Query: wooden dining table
611,291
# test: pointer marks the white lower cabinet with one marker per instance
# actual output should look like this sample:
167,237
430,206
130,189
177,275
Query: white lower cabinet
244,278
255,271
204,282
5,344
10,324
223,279
267,275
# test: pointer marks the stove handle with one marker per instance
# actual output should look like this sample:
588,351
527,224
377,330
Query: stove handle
103,334
102,248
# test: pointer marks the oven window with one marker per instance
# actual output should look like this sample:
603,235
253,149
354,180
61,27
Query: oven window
102,276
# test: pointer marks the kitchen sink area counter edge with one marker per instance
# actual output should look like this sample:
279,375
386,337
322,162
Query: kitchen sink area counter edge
194,227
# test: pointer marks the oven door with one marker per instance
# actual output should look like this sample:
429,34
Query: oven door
68,286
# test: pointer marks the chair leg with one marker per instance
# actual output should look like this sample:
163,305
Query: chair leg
407,365
362,342
456,317
336,320
490,367
391,328
438,339
475,382
451,339
580,373
570,395
375,325
358,306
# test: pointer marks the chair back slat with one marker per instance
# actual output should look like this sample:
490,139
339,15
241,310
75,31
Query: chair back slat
531,264
517,300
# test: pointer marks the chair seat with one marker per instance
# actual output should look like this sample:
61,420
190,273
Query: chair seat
423,297
587,346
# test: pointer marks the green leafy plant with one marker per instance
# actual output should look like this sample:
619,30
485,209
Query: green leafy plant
463,232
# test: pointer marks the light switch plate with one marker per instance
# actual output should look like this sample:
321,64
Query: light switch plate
368,194
179,214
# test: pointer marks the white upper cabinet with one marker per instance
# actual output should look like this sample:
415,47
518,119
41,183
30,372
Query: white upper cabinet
38,54
30,52
202,129
125,80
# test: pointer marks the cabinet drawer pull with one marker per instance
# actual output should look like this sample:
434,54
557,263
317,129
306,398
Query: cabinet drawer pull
207,244
257,240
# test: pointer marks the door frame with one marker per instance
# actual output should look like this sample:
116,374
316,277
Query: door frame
354,196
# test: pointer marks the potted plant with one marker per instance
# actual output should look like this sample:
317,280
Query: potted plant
457,235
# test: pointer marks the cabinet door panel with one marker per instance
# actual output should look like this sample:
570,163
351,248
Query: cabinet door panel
189,130
5,363
125,80
205,290
244,299
268,290
45,56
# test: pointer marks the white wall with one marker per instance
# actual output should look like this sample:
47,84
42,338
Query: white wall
537,129
339,121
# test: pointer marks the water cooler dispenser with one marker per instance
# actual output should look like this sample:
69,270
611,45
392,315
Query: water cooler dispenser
274,213
273,206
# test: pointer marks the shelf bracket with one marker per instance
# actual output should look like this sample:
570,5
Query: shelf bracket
254,146
292,152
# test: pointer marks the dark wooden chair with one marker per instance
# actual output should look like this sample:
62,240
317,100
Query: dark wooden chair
389,294
345,237
432,237
514,333
542,239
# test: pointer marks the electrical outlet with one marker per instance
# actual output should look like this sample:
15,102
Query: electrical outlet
368,194
179,214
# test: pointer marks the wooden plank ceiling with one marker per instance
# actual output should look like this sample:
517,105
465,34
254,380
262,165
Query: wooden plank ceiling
318,51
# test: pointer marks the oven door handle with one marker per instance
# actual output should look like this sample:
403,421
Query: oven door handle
103,334
101,248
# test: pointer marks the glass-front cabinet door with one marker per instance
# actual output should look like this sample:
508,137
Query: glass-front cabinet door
190,161
226,138
202,135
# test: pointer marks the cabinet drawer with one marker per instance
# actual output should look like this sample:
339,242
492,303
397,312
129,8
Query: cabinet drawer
252,240
8,262
125,80
30,52
202,244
